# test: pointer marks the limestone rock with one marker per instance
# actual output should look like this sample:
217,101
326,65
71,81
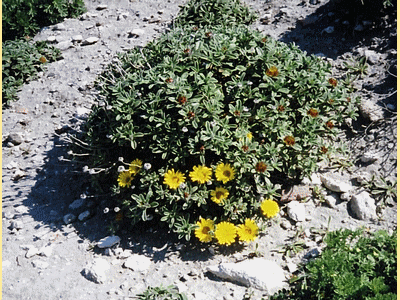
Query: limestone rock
363,206
138,263
96,270
108,241
16,138
369,157
90,41
40,264
84,216
335,184
296,211
371,111
136,32
257,273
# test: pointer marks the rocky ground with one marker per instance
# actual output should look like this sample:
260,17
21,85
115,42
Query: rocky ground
53,226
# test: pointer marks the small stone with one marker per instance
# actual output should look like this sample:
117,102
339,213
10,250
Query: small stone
124,254
31,252
69,218
96,270
40,264
329,29
82,112
46,250
181,287
18,174
51,39
359,27
371,110
77,38
296,211
65,45
8,215
138,263
12,165
363,206
77,204
369,157
334,184
59,27
345,196
108,241
292,267
16,138
17,224
101,7
90,41
372,56
330,201
84,216
136,32
251,273
391,107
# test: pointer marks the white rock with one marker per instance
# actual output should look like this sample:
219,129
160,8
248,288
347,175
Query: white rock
125,254
136,32
90,41
292,267
335,184
371,111
21,209
200,296
31,252
65,45
17,224
46,250
108,241
369,157
69,218
363,206
59,27
296,211
96,270
51,39
182,288
18,174
82,112
345,196
40,264
372,56
138,263
77,204
12,165
77,38
257,273
331,201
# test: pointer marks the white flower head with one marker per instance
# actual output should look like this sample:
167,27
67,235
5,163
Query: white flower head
147,166
106,210
121,169
239,85
121,159
132,187
83,196
256,101
213,123
245,108
209,182
117,209
92,171
249,83
184,129
85,169
182,185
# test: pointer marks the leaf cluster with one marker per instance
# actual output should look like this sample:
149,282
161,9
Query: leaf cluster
161,293
352,266
21,61
214,12
26,17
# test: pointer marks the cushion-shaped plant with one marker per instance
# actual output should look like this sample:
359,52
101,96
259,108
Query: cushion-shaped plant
212,119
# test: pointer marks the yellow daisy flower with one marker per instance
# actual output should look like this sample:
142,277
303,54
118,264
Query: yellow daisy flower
174,179
249,135
219,194
248,231
225,233
125,179
269,208
204,230
224,172
135,166
201,174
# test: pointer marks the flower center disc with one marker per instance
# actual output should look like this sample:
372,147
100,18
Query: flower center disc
219,194
206,230
227,173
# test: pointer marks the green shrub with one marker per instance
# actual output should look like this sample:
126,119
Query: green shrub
214,12
352,266
26,17
211,98
161,293
21,62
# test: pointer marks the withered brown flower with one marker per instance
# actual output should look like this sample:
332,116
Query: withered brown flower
329,124
312,112
182,99
272,72
332,81
261,167
281,108
289,140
